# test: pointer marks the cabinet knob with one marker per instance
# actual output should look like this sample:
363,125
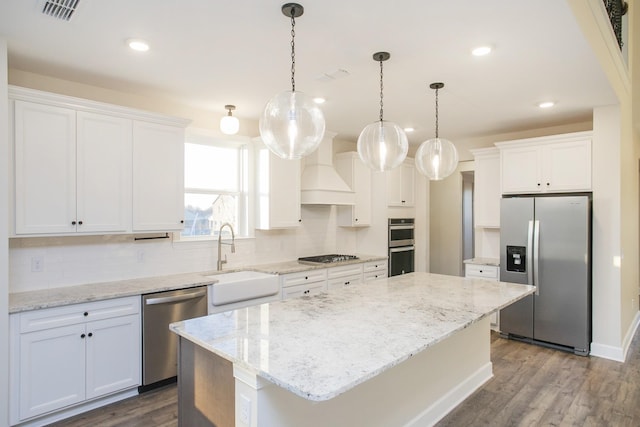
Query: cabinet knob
538,184
300,220
307,291
82,336
79,222
548,184
86,313
356,219
404,201
73,223
90,334
347,283
182,221
306,277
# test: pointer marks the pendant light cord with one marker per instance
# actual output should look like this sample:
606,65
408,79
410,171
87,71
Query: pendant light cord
381,93
436,113
293,53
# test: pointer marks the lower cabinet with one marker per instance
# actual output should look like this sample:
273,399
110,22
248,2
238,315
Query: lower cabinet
375,270
343,276
303,283
489,272
67,355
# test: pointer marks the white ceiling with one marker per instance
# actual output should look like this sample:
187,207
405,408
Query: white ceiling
208,53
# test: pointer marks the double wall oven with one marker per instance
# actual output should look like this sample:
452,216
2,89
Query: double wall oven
401,246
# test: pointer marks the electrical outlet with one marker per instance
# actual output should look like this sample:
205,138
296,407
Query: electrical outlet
245,410
37,264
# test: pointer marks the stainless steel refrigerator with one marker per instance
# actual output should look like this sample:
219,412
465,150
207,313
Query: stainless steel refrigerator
545,241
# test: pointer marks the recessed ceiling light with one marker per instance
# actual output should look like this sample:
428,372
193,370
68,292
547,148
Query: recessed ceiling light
409,129
319,100
138,45
481,51
546,104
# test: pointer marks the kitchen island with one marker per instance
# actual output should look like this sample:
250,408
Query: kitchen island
391,352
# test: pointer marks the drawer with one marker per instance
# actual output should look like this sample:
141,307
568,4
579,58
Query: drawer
304,289
340,282
481,271
344,270
375,266
373,275
46,318
309,276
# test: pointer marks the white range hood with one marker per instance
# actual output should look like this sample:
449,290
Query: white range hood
321,184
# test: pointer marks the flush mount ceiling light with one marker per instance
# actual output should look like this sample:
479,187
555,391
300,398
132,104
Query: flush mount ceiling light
292,125
546,104
382,145
481,51
138,45
229,125
437,158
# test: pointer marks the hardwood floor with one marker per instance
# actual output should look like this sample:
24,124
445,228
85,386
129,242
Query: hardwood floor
532,386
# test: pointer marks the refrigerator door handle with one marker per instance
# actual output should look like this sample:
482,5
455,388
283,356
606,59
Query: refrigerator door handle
530,254
536,256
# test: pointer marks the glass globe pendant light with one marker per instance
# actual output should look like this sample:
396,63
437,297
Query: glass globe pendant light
437,158
229,125
382,145
292,125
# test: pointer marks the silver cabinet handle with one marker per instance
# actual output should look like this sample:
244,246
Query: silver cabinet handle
176,298
402,249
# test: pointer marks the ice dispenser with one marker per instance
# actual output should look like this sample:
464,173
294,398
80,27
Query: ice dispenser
516,259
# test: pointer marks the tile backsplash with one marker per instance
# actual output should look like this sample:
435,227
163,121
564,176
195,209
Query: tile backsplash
76,260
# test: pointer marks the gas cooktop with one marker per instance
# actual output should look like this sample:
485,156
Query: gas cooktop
327,259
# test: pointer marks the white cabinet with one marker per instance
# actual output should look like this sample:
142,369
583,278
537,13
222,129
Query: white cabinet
67,355
344,275
375,270
357,176
303,283
560,163
489,272
72,170
87,167
277,190
158,177
401,185
486,193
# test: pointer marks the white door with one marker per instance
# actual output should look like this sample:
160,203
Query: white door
113,355
52,369
45,169
158,177
104,173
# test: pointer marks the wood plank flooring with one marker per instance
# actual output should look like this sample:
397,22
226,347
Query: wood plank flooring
532,386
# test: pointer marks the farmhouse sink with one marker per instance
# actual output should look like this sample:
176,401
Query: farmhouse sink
242,285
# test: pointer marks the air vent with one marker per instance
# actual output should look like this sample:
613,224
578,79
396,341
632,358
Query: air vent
60,9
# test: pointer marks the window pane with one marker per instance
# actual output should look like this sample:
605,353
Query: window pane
213,168
205,213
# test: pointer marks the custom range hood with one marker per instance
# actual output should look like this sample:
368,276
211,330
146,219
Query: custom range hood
321,184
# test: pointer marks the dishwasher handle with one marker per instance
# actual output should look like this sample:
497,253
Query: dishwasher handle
176,298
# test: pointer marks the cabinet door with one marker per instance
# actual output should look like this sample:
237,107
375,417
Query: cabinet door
158,177
486,196
52,369
394,186
305,289
45,168
103,173
277,191
520,169
358,176
113,355
401,185
567,166
408,184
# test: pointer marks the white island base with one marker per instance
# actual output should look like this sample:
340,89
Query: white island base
417,392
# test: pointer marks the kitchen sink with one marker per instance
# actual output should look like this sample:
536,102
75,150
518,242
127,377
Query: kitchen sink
242,285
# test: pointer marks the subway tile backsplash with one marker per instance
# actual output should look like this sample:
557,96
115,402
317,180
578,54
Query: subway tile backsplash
76,260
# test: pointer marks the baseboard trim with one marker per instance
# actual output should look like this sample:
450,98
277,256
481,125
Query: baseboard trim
619,354
453,398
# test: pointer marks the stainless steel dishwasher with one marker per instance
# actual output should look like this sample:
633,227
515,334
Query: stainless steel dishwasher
159,344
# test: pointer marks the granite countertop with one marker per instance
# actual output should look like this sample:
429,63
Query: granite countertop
321,346
483,261
55,297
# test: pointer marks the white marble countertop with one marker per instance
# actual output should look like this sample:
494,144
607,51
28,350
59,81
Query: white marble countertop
55,297
483,261
321,346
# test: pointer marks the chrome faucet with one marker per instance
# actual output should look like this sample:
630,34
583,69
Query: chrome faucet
220,243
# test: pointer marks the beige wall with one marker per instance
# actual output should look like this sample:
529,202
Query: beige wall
445,231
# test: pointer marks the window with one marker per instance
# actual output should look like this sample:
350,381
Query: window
216,191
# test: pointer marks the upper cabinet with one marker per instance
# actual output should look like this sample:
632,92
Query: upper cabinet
486,194
401,184
560,163
277,190
358,176
91,168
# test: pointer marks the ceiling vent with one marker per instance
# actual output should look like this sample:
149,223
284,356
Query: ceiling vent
60,9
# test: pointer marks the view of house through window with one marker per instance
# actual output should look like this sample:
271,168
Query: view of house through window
215,189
